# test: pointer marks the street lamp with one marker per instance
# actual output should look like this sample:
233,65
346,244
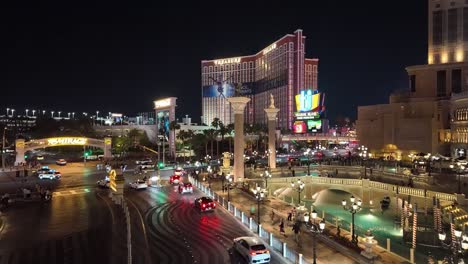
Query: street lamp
459,169
266,176
43,112
85,114
229,180
457,247
7,111
34,111
69,115
59,112
299,187
315,229
27,110
259,195
73,115
12,112
3,148
353,209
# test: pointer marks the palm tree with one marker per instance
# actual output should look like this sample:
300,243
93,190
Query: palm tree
216,124
229,129
173,126
210,136
185,137
222,131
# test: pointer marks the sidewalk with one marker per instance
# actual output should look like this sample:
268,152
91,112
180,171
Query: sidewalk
328,251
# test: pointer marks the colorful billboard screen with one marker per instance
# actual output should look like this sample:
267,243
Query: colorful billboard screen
308,101
227,89
299,127
314,125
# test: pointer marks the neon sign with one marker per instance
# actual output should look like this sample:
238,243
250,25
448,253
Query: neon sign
66,141
227,61
162,103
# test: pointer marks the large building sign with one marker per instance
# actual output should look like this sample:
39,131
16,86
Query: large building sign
309,106
63,141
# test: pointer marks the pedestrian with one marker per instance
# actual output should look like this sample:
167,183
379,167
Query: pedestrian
289,216
297,231
281,226
293,214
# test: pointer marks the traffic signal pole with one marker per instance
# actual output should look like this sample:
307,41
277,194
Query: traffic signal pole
84,155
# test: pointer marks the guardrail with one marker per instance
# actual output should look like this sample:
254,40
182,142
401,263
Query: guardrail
422,193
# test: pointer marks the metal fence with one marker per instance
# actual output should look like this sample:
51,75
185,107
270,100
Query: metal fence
290,254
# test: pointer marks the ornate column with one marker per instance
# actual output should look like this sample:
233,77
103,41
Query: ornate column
19,144
238,105
271,113
107,148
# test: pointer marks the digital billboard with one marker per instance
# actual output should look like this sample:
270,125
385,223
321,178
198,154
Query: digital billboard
309,107
226,90
299,127
314,125
163,123
309,101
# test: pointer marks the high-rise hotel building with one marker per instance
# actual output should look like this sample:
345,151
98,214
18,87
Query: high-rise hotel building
430,117
280,69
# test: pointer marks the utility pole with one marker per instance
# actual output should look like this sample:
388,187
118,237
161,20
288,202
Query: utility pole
3,149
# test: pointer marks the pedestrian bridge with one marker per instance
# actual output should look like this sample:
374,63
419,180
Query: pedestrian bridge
370,192
317,137
23,146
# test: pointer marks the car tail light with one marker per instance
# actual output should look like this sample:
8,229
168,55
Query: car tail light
203,205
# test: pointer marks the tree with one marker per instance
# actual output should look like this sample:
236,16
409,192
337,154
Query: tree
198,143
185,137
217,124
229,129
210,136
173,126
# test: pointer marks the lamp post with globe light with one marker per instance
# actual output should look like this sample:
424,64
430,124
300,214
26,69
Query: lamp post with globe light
353,209
266,175
299,187
316,229
259,195
229,180
457,246
459,169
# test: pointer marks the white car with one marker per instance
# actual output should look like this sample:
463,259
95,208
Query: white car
61,162
252,249
104,183
139,184
138,162
179,171
185,188
147,165
51,175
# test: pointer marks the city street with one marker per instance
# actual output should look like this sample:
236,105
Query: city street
176,232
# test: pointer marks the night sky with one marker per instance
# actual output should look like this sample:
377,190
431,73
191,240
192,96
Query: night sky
119,58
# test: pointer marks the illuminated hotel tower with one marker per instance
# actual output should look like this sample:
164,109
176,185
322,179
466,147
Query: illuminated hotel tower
280,69
448,31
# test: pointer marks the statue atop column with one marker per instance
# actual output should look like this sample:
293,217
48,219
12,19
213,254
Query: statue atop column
272,101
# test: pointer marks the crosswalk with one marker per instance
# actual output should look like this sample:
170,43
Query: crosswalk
71,192
84,247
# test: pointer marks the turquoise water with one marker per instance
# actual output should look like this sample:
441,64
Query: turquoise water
382,224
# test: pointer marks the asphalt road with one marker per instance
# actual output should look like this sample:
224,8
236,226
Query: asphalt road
76,226
177,233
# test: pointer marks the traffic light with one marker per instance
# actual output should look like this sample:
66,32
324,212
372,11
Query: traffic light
25,156
160,165
87,153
